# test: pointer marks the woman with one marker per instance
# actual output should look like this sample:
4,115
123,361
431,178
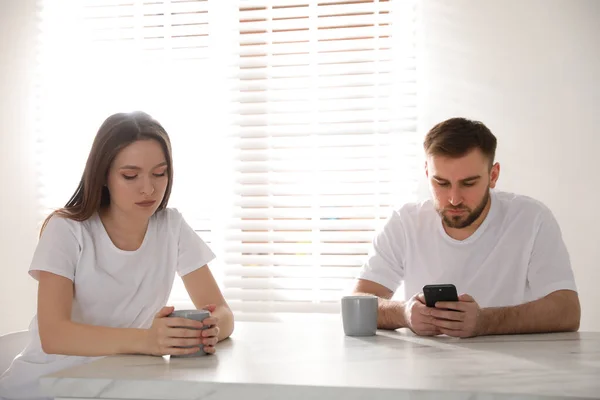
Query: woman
107,260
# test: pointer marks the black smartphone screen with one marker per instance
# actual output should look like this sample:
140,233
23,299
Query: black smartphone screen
435,293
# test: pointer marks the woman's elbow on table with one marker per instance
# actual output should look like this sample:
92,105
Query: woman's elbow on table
228,323
50,339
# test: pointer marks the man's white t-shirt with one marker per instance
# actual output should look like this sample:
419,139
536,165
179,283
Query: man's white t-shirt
112,287
516,255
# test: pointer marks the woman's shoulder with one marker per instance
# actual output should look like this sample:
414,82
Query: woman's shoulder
60,224
169,218
62,227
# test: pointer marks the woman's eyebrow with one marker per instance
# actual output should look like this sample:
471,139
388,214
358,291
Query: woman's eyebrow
135,167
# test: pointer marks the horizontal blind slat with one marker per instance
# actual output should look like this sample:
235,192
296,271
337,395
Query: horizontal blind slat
301,22
260,48
267,307
282,295
339,34
328,283
289,271
326,237
298,260
304,248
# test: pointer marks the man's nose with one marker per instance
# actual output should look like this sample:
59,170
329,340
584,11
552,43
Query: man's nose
455,197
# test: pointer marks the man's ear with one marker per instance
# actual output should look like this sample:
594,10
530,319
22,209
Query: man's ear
494,175
426,171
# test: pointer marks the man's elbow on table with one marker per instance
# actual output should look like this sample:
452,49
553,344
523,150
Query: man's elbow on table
558,311
367,287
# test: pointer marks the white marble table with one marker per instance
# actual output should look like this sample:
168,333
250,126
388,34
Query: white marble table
316,361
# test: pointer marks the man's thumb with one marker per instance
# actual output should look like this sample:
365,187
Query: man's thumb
165,311
466,297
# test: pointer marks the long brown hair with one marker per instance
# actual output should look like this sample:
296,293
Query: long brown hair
117,132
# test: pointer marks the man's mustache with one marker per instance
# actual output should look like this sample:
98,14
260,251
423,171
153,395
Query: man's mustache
456,208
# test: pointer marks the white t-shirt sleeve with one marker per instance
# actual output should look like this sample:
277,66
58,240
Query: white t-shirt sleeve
193,253
57,250
385,265
549,266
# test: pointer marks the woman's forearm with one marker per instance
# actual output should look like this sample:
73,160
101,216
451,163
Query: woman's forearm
225,316
70,338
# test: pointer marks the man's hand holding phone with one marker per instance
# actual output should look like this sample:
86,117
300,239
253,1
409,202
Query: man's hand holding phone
452,315
417,317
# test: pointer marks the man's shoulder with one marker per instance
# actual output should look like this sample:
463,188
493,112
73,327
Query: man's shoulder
415,211
525,209
518,204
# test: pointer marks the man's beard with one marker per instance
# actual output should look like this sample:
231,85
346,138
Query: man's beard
460,221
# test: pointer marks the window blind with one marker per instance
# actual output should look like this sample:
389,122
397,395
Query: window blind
293,126
98,57
325,139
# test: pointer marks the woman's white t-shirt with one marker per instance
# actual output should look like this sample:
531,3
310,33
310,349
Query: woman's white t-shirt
112,287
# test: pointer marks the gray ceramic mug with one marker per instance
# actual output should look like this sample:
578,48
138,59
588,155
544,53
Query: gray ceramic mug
359,315
197,315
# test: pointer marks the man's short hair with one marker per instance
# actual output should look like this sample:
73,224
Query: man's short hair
455,137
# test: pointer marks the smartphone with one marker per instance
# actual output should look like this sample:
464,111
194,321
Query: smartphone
435,293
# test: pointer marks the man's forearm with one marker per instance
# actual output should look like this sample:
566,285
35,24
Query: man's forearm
390,313
558,312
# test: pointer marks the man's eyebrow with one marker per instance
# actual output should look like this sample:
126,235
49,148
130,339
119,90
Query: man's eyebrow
135,167
471,178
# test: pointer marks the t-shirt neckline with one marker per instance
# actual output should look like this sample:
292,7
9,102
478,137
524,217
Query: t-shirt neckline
480,230
109,241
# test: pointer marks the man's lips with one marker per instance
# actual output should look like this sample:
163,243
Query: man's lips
459,211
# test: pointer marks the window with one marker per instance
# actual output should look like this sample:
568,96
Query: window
306,109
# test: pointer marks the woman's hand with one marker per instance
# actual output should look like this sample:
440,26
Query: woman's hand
210,335
171,336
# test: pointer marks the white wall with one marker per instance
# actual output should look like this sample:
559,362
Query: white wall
530,70
18,213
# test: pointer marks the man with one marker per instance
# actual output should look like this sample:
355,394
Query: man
503,251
